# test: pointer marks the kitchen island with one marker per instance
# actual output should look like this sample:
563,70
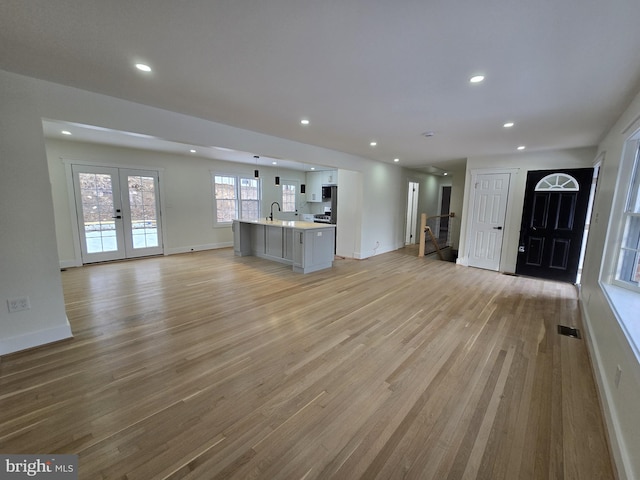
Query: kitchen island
307,246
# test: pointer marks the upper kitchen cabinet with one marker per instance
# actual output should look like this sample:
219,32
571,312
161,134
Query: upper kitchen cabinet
315,181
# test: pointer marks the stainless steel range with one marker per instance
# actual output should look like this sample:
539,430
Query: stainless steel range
330,215
322,218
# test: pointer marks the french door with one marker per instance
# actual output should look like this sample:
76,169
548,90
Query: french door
118,212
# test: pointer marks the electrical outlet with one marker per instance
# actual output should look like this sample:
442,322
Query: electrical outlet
18,304
616,379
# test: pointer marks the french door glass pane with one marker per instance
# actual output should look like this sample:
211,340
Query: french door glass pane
144,220
97,210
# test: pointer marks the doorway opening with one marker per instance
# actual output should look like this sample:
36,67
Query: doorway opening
412,213
444,222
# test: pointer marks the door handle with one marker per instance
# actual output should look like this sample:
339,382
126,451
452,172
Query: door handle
497,228
119,216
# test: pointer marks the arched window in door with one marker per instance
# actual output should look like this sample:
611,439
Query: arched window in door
558,181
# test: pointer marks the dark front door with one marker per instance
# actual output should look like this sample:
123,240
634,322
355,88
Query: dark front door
555,209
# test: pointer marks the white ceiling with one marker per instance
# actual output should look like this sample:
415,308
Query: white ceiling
105,136
359,70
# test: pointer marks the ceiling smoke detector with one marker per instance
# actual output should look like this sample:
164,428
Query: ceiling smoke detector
428,134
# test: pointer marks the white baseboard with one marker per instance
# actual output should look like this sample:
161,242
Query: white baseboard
616,444
70,263
35,339
167,251
197,248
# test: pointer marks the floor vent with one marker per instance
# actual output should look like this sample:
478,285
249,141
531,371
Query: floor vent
569,331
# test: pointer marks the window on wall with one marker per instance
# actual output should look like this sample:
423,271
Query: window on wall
288,197
235,197
620,275
249,198
628,268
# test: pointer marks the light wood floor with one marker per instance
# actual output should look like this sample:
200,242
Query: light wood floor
209,366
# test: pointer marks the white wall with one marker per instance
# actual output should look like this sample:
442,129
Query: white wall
188,215
28,253
524,162
349,230
609,346
383,209
457,201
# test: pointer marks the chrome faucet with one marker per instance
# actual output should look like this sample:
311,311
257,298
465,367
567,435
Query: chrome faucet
271,215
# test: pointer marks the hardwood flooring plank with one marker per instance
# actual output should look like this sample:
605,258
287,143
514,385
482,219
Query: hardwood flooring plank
206,365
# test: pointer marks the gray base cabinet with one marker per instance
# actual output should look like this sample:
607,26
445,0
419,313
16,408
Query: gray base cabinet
312,250
242,238
308,247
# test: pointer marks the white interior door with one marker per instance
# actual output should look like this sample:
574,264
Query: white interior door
412,213
118,213
491,192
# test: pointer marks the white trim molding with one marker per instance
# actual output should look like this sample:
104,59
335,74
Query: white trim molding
35,339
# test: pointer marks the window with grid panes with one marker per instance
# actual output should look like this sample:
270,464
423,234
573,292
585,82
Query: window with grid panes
236,197
628,270
288,197
249,198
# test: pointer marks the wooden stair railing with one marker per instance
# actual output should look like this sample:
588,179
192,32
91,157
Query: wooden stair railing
426,230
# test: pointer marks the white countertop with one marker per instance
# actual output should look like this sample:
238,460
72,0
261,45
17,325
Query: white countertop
289,224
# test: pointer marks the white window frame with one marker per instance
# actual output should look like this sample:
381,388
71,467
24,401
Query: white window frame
238,178
628,250
244,212
286,203
622,299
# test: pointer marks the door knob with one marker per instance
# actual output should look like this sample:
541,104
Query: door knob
118,216
497,228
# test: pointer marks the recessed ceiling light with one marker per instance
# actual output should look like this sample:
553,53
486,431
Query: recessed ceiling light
66,132
521,147
476,79
143,67
304,121
396,160
508,125
313,168
274,163
193,150
445,174
373,144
